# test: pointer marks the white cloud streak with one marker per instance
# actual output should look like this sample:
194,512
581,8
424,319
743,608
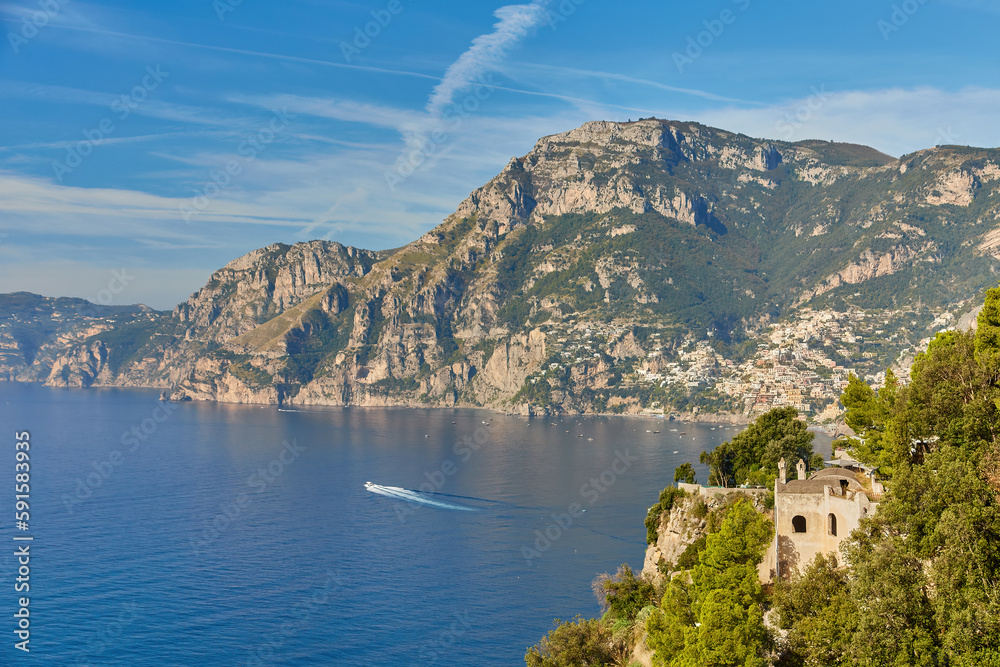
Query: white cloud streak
894,120
486,53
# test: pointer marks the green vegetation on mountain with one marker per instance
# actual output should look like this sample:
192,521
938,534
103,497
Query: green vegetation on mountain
32,320
126,342
581,642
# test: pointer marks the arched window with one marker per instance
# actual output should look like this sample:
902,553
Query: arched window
833,525
798,524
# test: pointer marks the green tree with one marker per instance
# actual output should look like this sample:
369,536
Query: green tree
753,455
821,618
870,415
684,473
988,336
670,626
896,626
717,619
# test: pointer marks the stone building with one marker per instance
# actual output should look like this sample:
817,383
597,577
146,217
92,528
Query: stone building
814,514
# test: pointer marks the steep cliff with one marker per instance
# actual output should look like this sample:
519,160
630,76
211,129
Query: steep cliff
615,267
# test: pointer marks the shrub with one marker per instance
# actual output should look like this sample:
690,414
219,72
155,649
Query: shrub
623,595
689,558
575,643
700,509
667,498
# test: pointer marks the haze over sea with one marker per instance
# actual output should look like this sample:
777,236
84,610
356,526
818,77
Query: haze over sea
212,542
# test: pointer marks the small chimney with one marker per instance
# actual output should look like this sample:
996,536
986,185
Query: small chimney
801,469
783,471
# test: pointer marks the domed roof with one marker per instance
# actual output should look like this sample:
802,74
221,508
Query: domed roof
835,473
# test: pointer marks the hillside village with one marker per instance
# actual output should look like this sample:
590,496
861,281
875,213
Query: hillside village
803,362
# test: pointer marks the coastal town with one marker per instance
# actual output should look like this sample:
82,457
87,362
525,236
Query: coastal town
803,361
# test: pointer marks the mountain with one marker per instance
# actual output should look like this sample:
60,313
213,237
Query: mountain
615,267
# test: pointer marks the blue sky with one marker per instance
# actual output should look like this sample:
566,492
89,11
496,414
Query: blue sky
165,139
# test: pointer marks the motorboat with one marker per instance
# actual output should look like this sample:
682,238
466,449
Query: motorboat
369,485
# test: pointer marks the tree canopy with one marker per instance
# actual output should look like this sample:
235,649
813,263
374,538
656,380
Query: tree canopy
752,456
684,473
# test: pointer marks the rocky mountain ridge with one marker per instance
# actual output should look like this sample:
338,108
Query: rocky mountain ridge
618,267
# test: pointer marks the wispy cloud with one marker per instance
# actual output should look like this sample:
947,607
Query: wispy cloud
893,120
487,52
253,53
333,108
110,141
550,72
56,209
171,111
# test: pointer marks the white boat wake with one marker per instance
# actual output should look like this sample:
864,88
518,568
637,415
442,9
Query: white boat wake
414,497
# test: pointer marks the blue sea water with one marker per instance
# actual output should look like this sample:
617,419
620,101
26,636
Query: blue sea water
211,534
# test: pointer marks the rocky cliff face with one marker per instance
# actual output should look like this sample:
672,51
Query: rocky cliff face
583,269
688,521
261,284
679,529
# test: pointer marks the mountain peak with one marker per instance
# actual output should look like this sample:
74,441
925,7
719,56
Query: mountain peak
614,267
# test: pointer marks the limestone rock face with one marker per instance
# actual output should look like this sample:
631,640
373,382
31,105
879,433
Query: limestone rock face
582,278
956,188
79,368
512,360
871,265
565,182
678,530
268,281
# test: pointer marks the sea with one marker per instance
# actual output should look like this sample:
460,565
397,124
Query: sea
212,534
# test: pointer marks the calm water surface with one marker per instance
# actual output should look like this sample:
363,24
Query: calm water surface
205,539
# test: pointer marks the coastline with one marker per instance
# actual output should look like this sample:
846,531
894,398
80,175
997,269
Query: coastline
523,410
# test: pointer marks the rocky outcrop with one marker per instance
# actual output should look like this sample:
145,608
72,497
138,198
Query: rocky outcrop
80,368
512,361
688,521
679,529
990,243
957,188
871,265
268,281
